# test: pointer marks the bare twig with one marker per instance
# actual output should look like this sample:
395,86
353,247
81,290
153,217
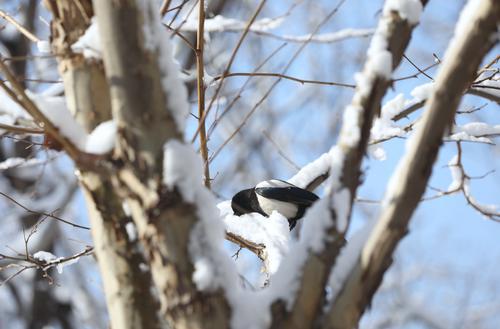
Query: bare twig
18,26
200,87
50,215
228,66
283,76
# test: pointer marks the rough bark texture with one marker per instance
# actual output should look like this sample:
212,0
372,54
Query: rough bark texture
308,303
163,219
457,73
127,286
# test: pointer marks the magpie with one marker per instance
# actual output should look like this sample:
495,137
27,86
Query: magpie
287,199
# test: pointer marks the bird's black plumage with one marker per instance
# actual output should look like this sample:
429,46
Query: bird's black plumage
289,200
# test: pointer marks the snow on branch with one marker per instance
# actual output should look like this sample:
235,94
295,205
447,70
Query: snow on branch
329,218
461,183
263,27
473,38
41,260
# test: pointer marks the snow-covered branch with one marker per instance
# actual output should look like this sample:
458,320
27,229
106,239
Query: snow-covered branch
408,183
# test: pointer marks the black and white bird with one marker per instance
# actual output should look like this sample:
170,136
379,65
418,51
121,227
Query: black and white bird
287,199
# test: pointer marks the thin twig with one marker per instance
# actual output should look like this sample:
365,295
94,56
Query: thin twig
280,152
284,76
18,94
200,87
21,130
21,28
289,64
418,68
240,91
228,67
43,213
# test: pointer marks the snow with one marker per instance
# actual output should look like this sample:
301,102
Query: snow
11,108
377,152
492,83
55,109
384,126
484,208
456,174
350,132
220,23
328,37
44,256
273,232
49,258
407,9
89,44
475,132
6,120
312,170
467,15
422,92
131,231
348,257
102,139
19,162
43,47
157,41
315,224
212,266
478,129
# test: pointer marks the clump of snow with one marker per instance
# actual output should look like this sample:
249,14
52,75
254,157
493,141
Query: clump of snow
475,132
422,92
273,232
55,109
312,170
44,256
384,127
407,9
102,139
379,58
157,40
89,44
377,152
43,47
350,132
456,174
131,231
48,258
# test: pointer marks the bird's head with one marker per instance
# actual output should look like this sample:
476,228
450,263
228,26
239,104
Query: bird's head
241,202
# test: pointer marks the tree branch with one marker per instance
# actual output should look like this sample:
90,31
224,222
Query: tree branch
410,179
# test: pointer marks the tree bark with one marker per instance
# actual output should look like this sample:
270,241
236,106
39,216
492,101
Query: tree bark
126,278
145,123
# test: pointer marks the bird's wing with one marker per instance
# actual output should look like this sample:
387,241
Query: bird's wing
290,194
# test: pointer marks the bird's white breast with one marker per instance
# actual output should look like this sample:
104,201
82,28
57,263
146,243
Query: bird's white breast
289,210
